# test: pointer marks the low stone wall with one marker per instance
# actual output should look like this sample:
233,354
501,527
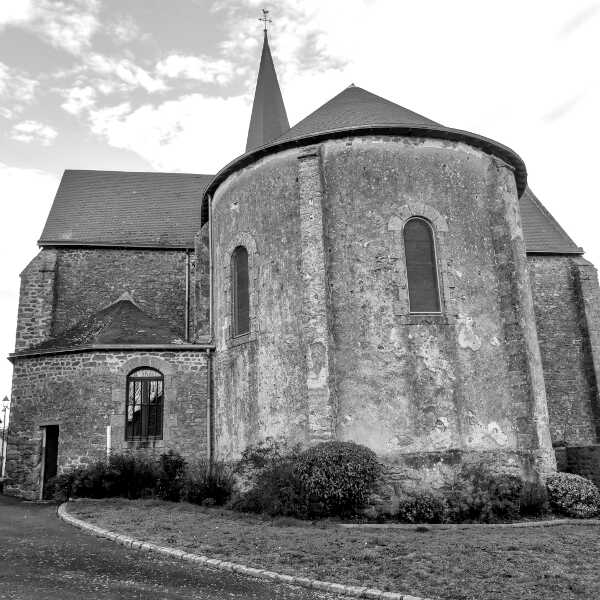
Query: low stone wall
584,461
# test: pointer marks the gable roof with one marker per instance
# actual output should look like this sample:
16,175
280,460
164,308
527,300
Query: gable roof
269,119
121,323
119,208
356,111
543,234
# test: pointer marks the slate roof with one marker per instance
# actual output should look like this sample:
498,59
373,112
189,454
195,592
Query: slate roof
355,111
543,234
269,119
118,208
122,322
353,107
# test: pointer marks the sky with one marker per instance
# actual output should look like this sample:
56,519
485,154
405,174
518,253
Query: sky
166,85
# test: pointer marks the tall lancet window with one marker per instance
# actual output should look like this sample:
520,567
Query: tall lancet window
240,294
421,267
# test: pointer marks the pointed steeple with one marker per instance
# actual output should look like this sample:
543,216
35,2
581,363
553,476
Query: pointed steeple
269,119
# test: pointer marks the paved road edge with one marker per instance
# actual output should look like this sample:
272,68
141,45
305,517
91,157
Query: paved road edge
315,584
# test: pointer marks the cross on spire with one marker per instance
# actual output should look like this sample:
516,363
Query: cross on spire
265,19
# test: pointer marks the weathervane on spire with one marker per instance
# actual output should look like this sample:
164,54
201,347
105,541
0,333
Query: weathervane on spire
265,19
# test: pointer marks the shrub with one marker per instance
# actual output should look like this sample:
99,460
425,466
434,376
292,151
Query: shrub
534,499
423,506
573,495
479,494
277,491
336,477
171,476
130,476
123,475
331,478
204,482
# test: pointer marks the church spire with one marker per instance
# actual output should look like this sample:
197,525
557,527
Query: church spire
269,119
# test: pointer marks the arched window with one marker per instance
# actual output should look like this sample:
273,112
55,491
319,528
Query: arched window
421,268
144,405
240,296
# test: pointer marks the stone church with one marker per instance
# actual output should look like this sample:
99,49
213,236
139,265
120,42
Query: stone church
366,275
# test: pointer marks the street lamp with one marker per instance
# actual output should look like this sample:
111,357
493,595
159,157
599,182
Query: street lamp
3,442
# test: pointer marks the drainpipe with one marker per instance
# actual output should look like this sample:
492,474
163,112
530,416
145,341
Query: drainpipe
187,296
210,445
210,270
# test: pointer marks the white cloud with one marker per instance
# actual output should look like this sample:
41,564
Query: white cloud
125,71
15,11
33,131
16,91
194,133
27,196
79,99
201,68
67,24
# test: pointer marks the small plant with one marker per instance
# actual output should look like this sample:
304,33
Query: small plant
205,483
171,476
573,495
423,506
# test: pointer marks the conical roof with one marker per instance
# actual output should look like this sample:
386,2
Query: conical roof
356,107
356,111
269,119
121,323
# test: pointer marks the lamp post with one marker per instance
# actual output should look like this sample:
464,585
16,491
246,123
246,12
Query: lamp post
3,442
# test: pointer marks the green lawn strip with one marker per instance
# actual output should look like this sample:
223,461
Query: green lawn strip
477,563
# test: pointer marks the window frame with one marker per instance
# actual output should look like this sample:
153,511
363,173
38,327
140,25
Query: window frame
434,249
145,392
236,332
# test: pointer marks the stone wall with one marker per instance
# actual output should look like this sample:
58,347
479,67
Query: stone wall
89,279
584,461
565,347
36,300
468,379
84,393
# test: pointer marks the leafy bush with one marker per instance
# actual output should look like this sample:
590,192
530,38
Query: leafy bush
423,506
204,482
336,477
331,478
171,476
123,475
573,495
480,495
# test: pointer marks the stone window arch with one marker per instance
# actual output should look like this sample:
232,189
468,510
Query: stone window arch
421,267
144,404
246,241
416,210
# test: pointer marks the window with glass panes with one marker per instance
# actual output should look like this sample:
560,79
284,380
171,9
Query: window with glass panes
144,407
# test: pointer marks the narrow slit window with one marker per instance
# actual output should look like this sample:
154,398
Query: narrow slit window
144,409
240,293
421,268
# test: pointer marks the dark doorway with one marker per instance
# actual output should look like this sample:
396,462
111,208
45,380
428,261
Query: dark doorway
50,457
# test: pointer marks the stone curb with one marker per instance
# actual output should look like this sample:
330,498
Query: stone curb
455,526
223,565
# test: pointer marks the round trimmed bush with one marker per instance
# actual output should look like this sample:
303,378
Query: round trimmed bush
336,477
573,495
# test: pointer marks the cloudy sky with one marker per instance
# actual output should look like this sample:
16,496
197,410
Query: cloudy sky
166,85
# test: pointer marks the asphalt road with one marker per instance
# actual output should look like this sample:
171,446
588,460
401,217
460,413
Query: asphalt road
42,558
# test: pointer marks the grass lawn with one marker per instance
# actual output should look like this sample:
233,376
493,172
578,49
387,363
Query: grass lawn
541,563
